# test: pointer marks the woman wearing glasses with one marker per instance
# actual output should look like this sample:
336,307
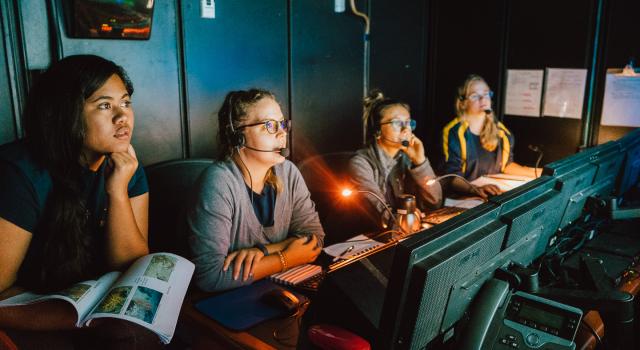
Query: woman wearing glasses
393,162
475,143
251,215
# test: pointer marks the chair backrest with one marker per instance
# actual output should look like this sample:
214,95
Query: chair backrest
326,175
169,185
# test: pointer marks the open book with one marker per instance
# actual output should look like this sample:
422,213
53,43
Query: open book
149,293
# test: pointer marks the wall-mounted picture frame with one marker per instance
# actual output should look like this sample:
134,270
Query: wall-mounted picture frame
110,19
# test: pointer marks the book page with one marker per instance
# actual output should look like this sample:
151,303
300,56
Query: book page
149,293
82,296
503,181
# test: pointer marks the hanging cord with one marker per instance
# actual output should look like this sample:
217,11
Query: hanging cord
365,57
367,22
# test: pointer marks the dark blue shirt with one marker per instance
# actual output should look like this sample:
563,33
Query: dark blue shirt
25,188
264,204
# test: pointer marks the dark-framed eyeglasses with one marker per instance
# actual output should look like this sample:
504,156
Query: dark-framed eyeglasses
478,97
272,126
401,124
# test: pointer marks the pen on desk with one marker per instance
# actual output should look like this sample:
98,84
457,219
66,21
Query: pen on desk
346,251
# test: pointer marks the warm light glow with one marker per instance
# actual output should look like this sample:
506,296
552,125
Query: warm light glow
347,192
431,182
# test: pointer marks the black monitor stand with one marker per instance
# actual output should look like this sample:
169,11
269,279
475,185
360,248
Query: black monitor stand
615,307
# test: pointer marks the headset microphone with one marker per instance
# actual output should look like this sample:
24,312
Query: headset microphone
404,143
488,111
283,151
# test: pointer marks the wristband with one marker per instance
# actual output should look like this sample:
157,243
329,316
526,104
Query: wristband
262,248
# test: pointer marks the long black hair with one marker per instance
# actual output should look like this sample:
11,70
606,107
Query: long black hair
55,132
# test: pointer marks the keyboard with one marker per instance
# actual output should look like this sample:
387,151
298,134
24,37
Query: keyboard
312,283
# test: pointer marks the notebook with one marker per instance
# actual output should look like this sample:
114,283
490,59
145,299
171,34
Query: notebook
352,247
241,308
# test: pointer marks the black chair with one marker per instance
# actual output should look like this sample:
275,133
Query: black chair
169,185
326,175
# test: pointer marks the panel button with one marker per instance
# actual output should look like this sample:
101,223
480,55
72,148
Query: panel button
511,337
532,339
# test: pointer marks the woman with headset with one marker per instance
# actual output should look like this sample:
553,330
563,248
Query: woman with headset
251,215
475,143
393,162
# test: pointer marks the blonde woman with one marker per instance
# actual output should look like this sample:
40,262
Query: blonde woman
475,143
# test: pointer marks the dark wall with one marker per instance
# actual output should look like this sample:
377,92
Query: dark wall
494,36
398,35
326,78
312,58
245,46
459,43
552,42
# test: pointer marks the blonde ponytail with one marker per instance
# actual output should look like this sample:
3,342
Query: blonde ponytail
489,133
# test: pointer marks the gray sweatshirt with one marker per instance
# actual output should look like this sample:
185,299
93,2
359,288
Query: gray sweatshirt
221,219
372,170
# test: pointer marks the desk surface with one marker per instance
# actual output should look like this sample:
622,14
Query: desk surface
209,334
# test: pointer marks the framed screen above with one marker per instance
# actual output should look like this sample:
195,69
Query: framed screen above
110,19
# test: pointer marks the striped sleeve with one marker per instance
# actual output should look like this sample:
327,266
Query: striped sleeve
452,149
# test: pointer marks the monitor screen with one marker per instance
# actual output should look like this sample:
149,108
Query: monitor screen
426,267
574,174
531,211
376,297
110,19
630,170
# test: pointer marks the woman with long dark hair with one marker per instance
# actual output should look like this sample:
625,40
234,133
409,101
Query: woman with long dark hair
252,214
73,198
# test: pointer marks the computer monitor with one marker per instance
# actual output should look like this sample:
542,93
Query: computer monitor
630,170
595,176
532,215
377,296
423,302
574,174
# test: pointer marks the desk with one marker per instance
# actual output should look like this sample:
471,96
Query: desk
585,340
209,334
